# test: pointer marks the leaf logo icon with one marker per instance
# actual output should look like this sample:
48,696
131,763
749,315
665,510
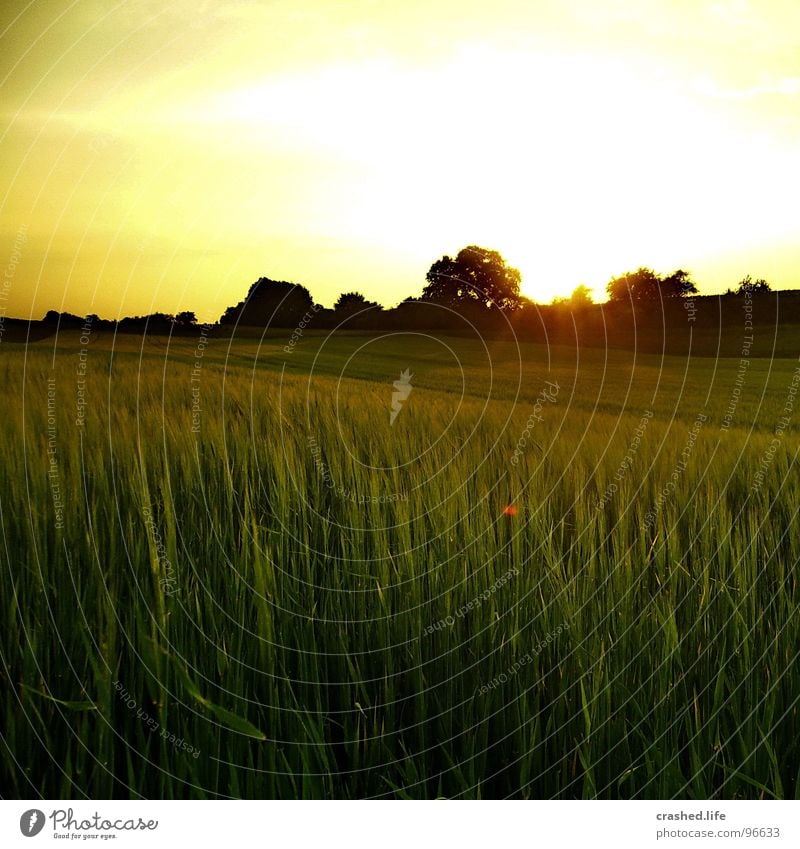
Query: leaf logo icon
31,822
402,389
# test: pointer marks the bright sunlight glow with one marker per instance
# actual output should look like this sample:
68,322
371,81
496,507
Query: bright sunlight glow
347,166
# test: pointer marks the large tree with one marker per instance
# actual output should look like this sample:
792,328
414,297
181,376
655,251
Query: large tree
270,303
476,276
645,285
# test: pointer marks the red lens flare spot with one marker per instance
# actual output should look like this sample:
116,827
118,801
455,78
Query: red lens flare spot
509,510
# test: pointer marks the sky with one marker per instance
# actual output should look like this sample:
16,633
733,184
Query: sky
164,155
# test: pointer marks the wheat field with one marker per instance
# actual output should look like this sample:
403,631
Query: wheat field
558,573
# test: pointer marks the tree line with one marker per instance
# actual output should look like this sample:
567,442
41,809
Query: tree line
477,285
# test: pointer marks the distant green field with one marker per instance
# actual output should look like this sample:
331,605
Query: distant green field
560,572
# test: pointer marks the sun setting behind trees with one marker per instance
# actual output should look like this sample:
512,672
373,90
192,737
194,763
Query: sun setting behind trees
342,146
401,401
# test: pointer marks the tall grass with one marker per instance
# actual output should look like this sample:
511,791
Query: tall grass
411,636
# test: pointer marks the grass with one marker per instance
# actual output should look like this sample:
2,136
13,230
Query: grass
321,604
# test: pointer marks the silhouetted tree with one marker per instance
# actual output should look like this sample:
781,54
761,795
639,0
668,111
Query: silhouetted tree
754,287
476,276
679,284
353,302
155,323
270,303
645,285
65,320
187,318
581,297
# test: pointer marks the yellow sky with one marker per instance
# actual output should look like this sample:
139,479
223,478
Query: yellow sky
163,155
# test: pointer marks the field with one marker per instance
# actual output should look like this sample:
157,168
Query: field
558,573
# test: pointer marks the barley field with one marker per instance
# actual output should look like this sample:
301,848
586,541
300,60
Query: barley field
242,568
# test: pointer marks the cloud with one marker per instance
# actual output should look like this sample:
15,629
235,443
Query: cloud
786,87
